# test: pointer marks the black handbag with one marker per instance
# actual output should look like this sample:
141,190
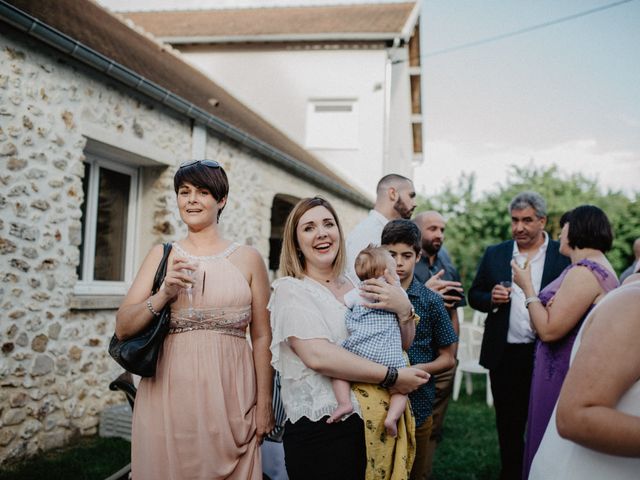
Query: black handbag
139,354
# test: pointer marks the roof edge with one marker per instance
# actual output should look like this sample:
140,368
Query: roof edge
77,50
412,20
284,38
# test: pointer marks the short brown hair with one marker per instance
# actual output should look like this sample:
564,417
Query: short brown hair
292,262
390,180
200,175
371,262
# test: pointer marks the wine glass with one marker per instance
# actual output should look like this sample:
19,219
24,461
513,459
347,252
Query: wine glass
505,284
189,290
521,259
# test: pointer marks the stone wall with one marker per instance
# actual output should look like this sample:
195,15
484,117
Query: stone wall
54,367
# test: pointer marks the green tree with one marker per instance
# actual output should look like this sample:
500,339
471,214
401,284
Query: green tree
475,222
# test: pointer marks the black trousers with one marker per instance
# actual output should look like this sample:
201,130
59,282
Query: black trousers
511,385
317,450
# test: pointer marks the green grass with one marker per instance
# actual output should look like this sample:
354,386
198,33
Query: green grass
469,447
88,458
468,451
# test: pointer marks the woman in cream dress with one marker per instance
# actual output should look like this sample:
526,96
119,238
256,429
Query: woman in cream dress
308,322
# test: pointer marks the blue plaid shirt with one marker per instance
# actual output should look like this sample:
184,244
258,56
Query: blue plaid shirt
432,332
375,334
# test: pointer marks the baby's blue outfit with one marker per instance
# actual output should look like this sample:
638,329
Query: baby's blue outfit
373,333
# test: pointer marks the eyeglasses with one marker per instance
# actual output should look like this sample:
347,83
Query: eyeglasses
206,163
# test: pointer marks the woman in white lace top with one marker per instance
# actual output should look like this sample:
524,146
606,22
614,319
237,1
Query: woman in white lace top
308,325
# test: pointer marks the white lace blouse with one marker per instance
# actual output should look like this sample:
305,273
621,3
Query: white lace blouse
304,309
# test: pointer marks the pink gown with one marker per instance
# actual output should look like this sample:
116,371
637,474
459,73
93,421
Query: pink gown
195,419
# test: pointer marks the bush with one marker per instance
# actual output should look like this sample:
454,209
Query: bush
475,222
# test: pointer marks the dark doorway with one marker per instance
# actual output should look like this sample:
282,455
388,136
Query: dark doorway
280,209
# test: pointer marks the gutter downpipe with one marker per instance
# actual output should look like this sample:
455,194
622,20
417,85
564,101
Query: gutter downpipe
62,42
387,104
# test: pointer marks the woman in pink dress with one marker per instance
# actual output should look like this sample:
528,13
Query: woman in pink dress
206,410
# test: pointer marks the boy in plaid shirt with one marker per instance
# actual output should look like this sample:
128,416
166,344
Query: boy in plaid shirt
373,334
433,348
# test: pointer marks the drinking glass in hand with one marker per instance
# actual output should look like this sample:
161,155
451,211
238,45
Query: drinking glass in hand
521,259
189,289
506,284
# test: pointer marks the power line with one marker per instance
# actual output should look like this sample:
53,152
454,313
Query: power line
521,31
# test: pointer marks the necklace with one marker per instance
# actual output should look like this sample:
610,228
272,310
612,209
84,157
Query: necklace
338,281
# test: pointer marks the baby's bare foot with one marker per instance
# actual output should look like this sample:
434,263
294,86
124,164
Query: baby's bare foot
340,412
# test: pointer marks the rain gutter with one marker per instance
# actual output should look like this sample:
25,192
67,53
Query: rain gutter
60,41
283,37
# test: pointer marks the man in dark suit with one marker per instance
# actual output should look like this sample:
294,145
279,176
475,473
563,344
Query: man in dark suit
507,345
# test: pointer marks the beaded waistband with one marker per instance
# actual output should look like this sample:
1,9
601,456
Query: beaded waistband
227,320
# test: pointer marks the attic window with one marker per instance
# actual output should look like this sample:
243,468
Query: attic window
334,108
332,124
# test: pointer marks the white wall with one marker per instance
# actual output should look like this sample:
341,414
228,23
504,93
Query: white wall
279,84
400,146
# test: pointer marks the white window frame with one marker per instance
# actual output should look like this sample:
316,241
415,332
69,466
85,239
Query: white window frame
332,140
87,285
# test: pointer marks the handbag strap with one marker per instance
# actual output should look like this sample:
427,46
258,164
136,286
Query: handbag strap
162,269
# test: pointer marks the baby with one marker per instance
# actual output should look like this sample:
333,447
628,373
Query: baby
373,334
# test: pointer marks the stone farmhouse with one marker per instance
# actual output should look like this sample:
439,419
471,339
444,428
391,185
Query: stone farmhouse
95,117
341,80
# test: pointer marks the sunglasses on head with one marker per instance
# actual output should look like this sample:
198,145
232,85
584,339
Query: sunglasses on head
206,163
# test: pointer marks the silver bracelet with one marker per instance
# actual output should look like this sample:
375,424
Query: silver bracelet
151,309
530,300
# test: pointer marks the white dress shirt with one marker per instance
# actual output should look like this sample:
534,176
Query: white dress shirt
519,322
367,231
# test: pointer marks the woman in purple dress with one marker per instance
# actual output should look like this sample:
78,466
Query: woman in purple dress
558,311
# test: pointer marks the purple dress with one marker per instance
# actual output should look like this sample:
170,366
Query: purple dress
551,362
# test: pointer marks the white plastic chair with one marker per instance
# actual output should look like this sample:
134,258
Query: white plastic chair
478,318
469,360
460,311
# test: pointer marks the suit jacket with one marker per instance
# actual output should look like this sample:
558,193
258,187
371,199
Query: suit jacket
494,267
629,271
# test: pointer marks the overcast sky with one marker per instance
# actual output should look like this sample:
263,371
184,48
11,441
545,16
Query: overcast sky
567,94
